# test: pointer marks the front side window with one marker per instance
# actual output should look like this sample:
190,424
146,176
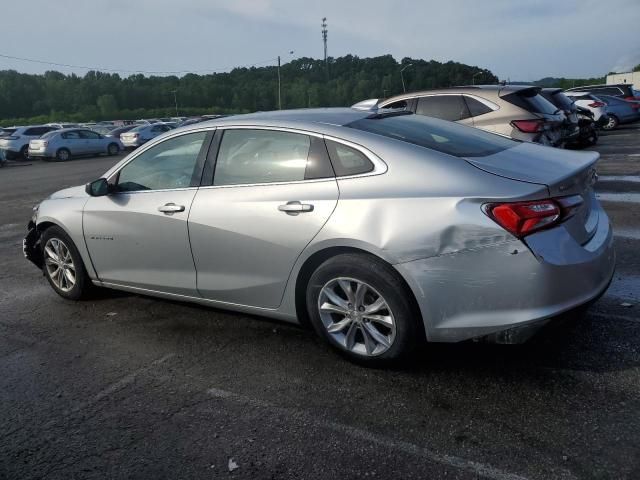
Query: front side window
446,107
261,156
169,164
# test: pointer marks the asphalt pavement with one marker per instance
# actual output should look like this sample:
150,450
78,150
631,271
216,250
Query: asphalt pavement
125,386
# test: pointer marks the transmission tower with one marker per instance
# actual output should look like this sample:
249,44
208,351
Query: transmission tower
324,40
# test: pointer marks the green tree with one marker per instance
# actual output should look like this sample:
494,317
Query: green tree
107,104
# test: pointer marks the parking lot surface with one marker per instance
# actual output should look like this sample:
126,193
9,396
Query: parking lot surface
125,386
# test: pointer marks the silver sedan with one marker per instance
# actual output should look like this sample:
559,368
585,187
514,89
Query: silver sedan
63,144
378,229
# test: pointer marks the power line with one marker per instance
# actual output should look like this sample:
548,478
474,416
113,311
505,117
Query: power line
122,70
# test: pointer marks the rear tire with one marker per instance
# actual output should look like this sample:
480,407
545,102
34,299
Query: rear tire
63,265
360,305
63,155
113,149
24,153
612,123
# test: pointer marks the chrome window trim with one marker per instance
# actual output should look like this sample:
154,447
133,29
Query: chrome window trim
379,167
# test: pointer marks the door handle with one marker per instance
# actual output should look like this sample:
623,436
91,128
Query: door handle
171,208
295,207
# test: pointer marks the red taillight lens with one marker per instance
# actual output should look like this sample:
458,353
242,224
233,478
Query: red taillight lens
597,104
528,126
523,218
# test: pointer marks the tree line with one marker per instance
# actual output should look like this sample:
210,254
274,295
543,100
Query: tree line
305,82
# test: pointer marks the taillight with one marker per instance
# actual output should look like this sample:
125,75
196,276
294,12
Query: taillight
523,218
528,126
597,104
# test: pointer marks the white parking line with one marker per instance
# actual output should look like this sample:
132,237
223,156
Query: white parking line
626,233
479,469
619,197
619,178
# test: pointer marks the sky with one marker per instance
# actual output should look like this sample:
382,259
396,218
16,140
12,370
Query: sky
517,40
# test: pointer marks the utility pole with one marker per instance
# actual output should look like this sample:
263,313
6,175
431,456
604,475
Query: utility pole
324,40
175,100
473,78
402,76
279,87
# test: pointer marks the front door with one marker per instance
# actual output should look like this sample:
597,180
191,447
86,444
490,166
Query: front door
272,192
137,235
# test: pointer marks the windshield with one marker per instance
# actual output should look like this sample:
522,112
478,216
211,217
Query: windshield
439,135
139,128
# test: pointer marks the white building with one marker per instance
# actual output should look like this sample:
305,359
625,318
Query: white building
632,78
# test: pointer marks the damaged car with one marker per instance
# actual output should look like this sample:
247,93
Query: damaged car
383,230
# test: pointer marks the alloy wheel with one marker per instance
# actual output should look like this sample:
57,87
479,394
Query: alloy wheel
356,316
59,264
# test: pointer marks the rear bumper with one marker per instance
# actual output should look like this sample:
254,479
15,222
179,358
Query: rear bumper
506,286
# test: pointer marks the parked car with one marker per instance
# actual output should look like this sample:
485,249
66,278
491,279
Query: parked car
517,111
63,125
564,103
103,129
63,144
16,145
380,229
3,159
619,111
588,135
116,132
622,90
142,134
592,103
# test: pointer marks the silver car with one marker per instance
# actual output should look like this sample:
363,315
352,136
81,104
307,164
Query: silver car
143,133
379,229
63,144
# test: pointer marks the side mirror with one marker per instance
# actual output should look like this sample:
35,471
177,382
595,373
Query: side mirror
97,188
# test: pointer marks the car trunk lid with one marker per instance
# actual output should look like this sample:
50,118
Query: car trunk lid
565,174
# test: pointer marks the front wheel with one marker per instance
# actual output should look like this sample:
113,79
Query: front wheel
63,265
361,306
63,155
612,123
24,152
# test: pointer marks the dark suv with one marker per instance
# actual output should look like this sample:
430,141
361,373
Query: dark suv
622,90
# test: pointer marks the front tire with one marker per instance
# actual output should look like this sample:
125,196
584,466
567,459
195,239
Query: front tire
361,306
62,155
24,153
63,265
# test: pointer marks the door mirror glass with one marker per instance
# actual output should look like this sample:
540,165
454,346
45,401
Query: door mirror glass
97,188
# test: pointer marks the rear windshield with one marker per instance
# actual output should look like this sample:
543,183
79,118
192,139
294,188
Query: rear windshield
446,137
531,100
50,134
5,132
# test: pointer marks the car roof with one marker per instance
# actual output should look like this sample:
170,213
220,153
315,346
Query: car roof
316,119
602,85
470,89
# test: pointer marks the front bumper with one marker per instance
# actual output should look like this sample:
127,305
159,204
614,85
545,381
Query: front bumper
31,245
483,291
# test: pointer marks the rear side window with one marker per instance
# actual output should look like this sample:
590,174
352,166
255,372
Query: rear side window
446,107
347,160
445,137
399,104
261,156
72,135
476,107
531,100
89,135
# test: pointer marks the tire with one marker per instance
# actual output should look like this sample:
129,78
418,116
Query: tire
63,155
24,153
394,333
612,123
68,278
592,139
113,149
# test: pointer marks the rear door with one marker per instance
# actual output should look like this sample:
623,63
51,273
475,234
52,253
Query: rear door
73,142
271,193
93,142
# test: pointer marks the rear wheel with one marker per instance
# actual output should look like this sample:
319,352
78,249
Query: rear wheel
360,305
612,123
63,265
62,155
24,152
113,149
